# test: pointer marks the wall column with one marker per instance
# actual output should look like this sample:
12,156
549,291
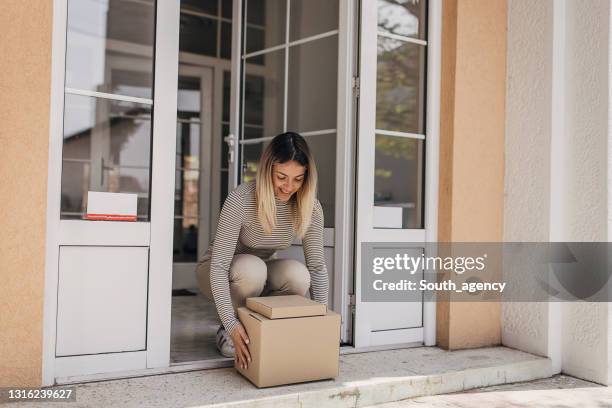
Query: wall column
25,78
472,128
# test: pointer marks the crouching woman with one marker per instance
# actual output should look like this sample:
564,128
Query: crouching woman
257,219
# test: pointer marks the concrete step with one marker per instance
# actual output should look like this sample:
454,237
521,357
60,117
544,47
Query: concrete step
365,379
402,374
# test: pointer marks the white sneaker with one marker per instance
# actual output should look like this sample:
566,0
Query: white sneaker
225,344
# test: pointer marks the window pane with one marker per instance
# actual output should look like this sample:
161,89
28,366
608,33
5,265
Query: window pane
266,22
311,17
226,40
312,85
227,83
226,8
264,94
187,181
188,97
398,182
133,83
204,6
198,35
185,240
253,132
323,149
107,36
403,17
251,154
400,86
107,147
224,148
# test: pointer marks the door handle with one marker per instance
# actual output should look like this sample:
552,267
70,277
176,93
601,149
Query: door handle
231,142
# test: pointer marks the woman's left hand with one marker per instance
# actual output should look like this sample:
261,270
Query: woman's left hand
240,339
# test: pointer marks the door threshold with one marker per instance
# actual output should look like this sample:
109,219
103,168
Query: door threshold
221,362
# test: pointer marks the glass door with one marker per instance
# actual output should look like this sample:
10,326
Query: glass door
286,88
291,77
115,164
396,187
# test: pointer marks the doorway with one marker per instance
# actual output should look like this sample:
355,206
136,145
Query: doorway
201,181
274,83
178,117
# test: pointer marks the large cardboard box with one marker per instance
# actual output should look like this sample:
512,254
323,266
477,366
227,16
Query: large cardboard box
303,344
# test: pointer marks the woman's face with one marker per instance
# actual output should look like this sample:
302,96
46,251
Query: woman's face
287,178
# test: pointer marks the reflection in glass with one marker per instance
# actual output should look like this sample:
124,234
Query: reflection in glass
198,35
312,17
107,146
266,22
400,86
313,85
264,94
104,36
398,181
187,183
403,17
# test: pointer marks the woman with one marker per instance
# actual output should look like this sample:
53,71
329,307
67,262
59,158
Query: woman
257,219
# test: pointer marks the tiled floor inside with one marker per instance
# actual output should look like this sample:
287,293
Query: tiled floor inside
194,327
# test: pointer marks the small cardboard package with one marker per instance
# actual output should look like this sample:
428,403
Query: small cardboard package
292,339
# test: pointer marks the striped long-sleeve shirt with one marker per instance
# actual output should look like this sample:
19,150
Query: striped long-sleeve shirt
240,232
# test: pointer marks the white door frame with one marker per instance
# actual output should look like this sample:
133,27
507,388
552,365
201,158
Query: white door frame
157,234
364,337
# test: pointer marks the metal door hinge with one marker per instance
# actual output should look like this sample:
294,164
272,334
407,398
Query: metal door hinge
352,302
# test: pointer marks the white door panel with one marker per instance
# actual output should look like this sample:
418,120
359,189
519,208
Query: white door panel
395,315
102,300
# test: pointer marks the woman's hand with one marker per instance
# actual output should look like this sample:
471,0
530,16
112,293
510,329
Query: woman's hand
240,338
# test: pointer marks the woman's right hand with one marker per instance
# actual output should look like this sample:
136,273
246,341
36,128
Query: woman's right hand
241,341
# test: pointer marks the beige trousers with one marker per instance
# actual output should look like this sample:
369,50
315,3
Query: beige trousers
250,276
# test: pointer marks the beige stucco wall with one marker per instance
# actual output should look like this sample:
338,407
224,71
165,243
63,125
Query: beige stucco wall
25,72
472,152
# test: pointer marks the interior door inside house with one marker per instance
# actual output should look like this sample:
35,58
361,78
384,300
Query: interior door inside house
283,86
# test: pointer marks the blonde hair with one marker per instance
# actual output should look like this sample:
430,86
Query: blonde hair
283,148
